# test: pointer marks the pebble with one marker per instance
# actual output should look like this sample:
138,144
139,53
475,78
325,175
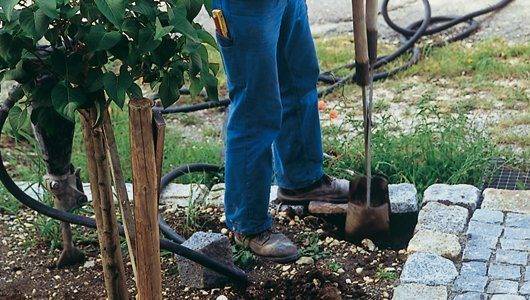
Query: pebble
292,223
221,297
348,280
359,270
286,268
224,231
305,260
368,244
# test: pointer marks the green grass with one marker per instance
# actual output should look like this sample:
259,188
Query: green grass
437,148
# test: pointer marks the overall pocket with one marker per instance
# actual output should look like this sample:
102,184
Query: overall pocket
229,53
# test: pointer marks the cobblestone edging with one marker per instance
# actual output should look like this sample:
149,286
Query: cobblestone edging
461,252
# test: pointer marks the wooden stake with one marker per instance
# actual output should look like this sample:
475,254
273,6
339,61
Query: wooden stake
107,227
121,190
149,280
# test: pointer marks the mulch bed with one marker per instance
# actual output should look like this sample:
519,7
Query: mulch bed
340,269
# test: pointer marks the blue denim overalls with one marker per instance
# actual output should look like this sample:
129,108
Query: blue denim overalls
272,71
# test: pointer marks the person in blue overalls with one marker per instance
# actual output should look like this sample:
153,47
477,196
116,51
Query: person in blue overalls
273,122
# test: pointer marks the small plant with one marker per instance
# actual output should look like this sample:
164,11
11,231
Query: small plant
311,247
242,256
383,274
335,266
8,204
48,231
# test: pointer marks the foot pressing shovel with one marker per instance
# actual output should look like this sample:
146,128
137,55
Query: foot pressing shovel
368,213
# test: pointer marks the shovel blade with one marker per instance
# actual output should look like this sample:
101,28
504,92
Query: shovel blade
363,221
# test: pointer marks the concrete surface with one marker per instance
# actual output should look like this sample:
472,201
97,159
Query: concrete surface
334,17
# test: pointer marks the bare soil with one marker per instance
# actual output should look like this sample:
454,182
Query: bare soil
340,269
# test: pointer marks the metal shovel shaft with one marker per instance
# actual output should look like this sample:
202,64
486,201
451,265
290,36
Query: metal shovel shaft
367,116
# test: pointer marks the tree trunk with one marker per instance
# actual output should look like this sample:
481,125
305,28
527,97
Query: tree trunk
121,190
149,280
107,227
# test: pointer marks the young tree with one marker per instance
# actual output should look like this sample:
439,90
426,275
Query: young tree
69,54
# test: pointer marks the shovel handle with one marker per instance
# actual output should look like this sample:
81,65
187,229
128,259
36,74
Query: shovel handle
371,29
361,42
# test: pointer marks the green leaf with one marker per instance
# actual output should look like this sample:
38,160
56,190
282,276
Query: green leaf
117,86
99,39
177,18
34,24
145,8
169,90
207,38
210,83
17,118
7,7
161,31
94,80
66,100
146,40
135,92
193,8
113,10
48,7
196,87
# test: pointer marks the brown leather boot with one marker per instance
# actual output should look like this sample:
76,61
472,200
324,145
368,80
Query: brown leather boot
327,189
274,246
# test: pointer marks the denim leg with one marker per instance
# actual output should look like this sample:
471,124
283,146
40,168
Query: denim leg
298,153
254,118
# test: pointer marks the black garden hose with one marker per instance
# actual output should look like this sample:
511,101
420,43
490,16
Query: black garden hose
234,274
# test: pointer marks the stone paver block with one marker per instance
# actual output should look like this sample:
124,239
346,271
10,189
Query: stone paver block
182,194
497,271
216,194
470,296
444,244
460,194
521,245
482,241
414,291
488,216
428,268
442,218
485,229
326,208
511,257
477,254
214,245
507,200
517,233
474,268
470,283
403,198
527,273
525,289
506,297
518,220
503,287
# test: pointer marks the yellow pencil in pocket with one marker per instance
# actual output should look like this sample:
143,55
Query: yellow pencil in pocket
220,23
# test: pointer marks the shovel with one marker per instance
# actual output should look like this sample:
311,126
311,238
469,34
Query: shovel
368,213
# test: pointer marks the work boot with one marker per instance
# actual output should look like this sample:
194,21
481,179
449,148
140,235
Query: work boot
327,189
270,245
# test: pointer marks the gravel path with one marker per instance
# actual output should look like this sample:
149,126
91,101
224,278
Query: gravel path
495,261
334,16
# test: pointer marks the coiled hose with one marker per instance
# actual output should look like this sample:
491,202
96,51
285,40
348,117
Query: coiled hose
409,37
